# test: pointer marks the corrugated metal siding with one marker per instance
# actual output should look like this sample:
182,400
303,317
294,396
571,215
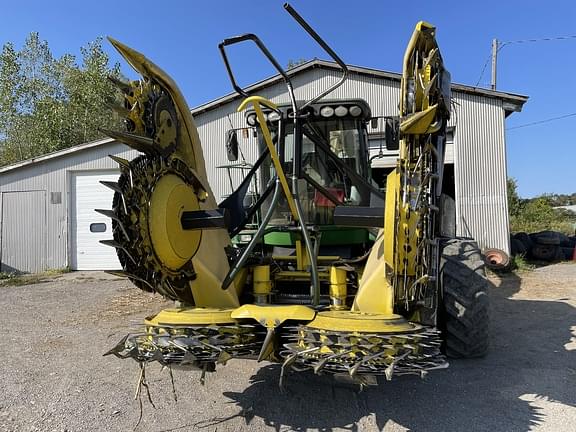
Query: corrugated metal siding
480,171
389,157
381,94
53,175
478,151
23,231
479,154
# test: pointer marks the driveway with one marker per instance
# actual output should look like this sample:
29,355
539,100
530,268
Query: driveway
54,377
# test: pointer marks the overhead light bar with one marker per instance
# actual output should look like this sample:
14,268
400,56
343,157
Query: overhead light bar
355,110
341,111
326,111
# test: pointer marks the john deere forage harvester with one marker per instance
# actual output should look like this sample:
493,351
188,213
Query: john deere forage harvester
335,275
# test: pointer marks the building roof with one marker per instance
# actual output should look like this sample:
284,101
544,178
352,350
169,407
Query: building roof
512,102
59,153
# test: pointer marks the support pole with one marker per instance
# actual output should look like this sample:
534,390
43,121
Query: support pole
494,63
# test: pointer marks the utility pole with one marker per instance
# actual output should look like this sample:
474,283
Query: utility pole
494,62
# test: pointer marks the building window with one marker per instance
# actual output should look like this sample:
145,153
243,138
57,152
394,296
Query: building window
55,197
98,227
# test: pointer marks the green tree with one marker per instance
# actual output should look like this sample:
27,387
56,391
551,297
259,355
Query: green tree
48,104
9,72
537,214
293,63
514,201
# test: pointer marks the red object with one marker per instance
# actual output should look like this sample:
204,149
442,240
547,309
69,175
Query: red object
321,201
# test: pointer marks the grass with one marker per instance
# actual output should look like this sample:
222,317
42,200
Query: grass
57,271
519,264
16,279
19,279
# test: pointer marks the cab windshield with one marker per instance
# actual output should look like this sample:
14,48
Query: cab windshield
322,141
333,159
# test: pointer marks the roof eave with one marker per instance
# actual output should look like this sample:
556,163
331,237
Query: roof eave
56,154
512,102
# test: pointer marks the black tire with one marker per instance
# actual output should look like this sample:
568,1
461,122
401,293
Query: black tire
464,311
523,237
517,247
547,252
526,240
551,238
567,253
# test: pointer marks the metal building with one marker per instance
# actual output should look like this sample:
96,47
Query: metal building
47,217
476,150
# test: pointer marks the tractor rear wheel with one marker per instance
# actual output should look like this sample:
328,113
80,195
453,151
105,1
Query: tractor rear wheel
464,300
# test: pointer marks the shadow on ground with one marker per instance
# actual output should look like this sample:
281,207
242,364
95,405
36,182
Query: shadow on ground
528,359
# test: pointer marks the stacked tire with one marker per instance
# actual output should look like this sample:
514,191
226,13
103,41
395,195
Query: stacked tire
547,246
521,244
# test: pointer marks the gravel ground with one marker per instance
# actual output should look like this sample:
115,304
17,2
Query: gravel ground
53,376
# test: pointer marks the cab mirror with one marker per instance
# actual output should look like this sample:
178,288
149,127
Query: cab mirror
392,133
232,145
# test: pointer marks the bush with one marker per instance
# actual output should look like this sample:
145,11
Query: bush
537,214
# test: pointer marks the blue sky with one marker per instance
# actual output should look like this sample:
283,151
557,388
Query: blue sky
182,38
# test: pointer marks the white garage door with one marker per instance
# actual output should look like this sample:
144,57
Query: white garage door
89,227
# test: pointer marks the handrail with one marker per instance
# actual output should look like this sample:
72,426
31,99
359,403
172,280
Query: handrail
326,48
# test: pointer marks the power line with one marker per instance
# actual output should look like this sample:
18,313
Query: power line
484,69
545,39
519,41
542,121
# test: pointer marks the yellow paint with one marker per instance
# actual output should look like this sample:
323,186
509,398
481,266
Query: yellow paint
302,258
191,316
299,275
337,276
173,245
407,237
390,222
294,258
210,261
256,101
261,280
422,40
210,272
420,122
352,321
393,255
426,76
189,148
273,316
375,293
240,280
338,288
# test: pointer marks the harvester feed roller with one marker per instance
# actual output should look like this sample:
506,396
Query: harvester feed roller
194,347
385,354
165,219
342,341
414,351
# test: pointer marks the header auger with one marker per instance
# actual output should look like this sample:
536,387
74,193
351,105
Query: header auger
337,276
